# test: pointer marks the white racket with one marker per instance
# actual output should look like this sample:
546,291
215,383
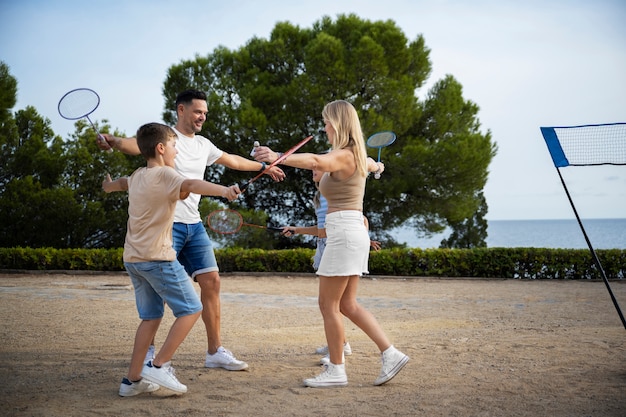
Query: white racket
380,140
79,103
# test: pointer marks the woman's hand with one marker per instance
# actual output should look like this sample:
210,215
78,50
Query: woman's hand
265,154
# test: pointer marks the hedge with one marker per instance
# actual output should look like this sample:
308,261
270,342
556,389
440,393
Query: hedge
518,263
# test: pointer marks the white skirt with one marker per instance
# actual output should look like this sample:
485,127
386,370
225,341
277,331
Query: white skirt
347,245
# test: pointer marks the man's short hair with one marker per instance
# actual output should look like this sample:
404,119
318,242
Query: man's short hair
187,96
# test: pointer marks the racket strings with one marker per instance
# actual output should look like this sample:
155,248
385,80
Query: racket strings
225,221
380,140
78,103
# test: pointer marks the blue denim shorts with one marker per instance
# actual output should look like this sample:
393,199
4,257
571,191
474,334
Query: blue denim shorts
194,248
162,281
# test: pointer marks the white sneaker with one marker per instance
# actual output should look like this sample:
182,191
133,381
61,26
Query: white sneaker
130,389
332,376
164,376
393,361
149,355
224,359
347,350
325,360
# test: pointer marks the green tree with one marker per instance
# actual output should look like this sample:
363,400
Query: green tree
443,164
8,98
471,232
273,90
50,189
103,217
34,207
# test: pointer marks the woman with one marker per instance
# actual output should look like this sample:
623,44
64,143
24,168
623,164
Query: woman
346,256
319,231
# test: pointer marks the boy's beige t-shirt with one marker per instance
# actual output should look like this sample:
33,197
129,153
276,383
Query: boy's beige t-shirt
152,196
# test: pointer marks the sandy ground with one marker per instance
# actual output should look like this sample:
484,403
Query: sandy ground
477,348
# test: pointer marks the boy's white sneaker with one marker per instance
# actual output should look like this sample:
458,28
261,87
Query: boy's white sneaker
130,389
164,376
347,350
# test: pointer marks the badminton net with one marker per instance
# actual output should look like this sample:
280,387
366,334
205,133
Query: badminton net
602,144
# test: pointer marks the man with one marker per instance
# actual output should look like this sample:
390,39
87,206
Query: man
191,241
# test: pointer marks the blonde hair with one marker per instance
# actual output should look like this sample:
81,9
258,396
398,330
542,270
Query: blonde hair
344,119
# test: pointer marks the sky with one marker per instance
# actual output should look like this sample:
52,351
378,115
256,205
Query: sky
525,64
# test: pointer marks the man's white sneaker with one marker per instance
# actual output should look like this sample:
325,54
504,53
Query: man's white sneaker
130,389
224,359
347,350
164,376
149,355
332,376
393,361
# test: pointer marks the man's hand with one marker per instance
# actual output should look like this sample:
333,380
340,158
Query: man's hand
108,143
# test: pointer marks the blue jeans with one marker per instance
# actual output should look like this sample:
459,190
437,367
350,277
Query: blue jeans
194,248
162,281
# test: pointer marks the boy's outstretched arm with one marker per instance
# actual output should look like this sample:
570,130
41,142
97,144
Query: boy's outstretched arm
208,188
120,184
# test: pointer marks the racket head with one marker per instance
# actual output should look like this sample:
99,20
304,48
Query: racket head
226,221
381,139
78,103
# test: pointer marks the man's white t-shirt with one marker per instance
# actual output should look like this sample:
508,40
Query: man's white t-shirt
194,155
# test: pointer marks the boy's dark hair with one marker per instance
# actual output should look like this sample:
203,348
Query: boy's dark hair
150,135
187,96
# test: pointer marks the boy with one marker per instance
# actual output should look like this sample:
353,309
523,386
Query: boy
150,259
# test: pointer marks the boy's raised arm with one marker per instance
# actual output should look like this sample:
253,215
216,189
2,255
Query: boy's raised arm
120,184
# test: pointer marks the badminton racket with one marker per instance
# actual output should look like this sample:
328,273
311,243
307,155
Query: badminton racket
244,184
379,141
79,103
228,222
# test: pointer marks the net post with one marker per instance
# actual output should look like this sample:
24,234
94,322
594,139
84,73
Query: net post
596,260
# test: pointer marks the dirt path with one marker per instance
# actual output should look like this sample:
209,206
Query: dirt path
477,348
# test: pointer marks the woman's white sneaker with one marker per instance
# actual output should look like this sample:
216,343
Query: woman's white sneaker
347,350
393,361
150,354
332,376
325,360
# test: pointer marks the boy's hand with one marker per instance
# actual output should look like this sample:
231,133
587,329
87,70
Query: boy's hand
232,192
106,184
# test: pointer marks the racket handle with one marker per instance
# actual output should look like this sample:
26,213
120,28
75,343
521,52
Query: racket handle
377,176
243,185
255,145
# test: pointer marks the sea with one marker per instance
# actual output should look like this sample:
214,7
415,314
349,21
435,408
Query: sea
557,234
